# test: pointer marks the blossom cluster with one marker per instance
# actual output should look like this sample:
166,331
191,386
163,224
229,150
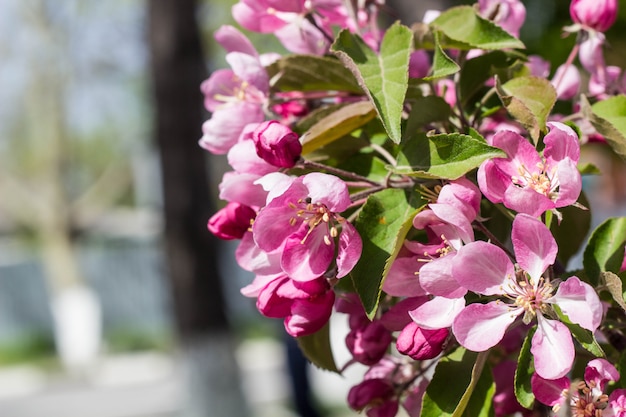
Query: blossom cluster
420,183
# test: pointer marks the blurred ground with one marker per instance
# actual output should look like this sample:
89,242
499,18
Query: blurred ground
150,384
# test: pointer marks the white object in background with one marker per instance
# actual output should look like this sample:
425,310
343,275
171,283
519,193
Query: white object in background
77,327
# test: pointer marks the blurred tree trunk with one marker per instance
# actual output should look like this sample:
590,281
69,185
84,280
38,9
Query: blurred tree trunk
178,68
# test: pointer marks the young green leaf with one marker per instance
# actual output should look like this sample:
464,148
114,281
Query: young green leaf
609,118
316,347
383,223
463,25
336,125
614,284
453,384
311,73
605,248
528,99
524,371
443,65
448,156
383,76
426,110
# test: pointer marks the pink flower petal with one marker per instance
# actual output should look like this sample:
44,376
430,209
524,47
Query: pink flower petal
552,349
570,183
600,372
305,259
549,391
437,313
580,302
482,267
527,200
328,190
492,181
561,142
436,278
535,247
481,326
349,251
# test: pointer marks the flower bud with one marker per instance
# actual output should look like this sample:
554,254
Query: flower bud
277,144
566,81
372,394
368,344
420,343
594,14
231,222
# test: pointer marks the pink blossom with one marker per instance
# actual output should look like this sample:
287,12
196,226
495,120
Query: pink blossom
566,81
529,182
235,97
305,307
277,144
419,64
486,269
509,14
305,222
376,396
594,14
232,221
586,398
421,344
617,403
287,19
369,342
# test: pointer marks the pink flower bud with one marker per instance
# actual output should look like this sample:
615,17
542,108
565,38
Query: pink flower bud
421,343
566,81
231,222
373,392
594,14
368,344
277,144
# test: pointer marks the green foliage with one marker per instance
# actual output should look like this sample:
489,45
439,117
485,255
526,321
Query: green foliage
524,371
609,118
317,349
467,30
311,73
384,76
383,224
337,124
605,249
529,100
461,380
447,156
443,65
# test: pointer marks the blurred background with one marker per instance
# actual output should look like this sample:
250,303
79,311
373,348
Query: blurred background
115,301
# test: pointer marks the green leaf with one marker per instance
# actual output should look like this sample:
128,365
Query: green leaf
426,110
443,65
384,76
524,371
585,337
477,71
463,25
311,73
529,100
316,347
448,156
609,118
613,283
453,384
570,233
605,249
383,223
336,125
